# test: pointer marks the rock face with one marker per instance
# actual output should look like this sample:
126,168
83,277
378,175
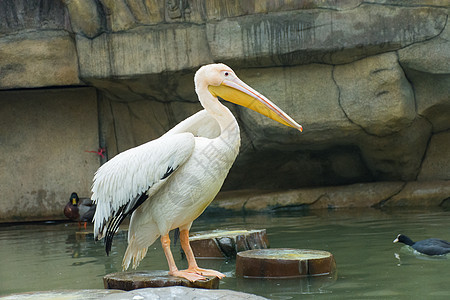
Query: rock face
368,80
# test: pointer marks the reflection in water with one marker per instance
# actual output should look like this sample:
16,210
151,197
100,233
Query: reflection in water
288,287
40,257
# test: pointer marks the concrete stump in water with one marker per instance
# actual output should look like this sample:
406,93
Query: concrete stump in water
284,262
128,281
226,243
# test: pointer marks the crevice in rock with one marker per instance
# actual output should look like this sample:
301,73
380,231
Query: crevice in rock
291,207
419,169
324,195
170,116
131,114
243,209
110,54
342,108
130,10
426,40
417,114
116,138
100,129
442,30
380,204
74,41
409,81
414,98
102,16
380,70
445,203
402,4
441,131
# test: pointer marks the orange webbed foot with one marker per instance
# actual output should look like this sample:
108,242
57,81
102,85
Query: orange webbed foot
206,272
194,274
191,276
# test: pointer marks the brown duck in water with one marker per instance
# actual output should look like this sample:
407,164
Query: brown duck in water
81,210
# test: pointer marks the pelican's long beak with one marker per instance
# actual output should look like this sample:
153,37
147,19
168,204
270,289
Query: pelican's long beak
236,91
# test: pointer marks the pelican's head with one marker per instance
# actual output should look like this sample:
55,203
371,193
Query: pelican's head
221,82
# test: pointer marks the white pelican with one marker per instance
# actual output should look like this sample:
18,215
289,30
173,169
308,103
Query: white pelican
168,182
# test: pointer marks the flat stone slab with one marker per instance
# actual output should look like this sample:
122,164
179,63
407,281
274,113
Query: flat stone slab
226,243
284,263
185,293
66,295
174,292
128,281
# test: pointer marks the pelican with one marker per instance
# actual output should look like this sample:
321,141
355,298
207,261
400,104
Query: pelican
168,182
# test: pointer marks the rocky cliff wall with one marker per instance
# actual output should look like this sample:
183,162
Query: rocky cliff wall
368,80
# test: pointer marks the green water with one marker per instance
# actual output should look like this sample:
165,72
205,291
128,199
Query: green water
39,257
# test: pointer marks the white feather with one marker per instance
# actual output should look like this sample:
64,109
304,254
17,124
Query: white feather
134,171
200,124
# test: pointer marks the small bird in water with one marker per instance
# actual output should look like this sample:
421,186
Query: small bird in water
429,246
81,210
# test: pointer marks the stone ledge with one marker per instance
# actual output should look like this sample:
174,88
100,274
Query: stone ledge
376,194
38,59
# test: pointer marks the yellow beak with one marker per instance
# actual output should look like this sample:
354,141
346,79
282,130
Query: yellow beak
74,201
238,92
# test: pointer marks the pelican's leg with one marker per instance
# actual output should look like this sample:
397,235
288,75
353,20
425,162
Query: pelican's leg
173,270
193,267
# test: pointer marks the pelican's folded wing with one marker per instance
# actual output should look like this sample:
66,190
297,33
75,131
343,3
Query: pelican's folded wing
125,181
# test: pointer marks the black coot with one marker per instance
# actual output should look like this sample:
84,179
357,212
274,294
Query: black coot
428,246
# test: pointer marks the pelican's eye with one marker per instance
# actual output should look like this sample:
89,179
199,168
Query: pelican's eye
226,74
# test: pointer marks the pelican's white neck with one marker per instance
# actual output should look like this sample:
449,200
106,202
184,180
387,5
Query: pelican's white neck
220,112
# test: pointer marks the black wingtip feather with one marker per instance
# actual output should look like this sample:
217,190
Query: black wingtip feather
169,171
113,227
121,214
